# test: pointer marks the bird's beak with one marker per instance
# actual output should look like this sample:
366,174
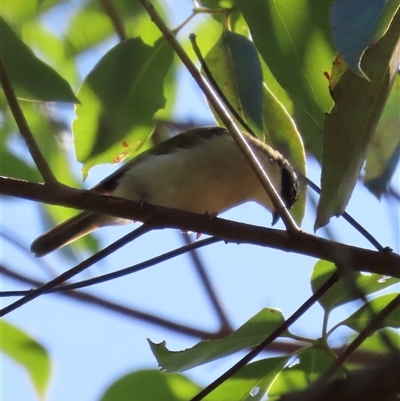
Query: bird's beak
275,218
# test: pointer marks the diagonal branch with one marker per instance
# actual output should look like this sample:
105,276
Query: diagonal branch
208,286
143,229
23,127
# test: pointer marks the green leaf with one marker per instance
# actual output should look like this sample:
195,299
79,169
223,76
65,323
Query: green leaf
253,332
217,3
281,133
28,353
90,25
21,11
375,343
352,122
119,99
356,25
150,385
234,65
251,383
12,166
384,151
358,320
341,293
294,40
53,47
311,363
30,77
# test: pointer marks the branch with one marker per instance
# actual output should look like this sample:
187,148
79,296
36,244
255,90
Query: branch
208,285
116,20
75,270
23,127
359,259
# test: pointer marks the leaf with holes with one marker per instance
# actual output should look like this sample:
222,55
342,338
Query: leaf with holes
119,99
356,25
351,124
293,38
253,332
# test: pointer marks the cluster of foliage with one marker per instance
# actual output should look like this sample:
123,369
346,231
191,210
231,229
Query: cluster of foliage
306,77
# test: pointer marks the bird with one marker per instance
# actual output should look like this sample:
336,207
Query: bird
201,170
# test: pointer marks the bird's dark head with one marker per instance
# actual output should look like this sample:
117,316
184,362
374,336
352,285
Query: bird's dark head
289,187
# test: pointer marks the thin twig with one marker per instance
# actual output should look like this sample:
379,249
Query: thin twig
123,272
347,217
23,127
281,329
76,270
215,86
112,13
216,103
18,243
207,284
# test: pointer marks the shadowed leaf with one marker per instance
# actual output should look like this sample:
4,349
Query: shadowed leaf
234,64
294,40
352,122
356,25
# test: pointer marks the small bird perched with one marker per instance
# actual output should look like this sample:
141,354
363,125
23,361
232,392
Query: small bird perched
201,170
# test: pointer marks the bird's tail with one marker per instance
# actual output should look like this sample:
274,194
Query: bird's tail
66,232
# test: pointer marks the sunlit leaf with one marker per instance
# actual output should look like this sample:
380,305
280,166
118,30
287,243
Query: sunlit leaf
149,385
250,383
217,3
53,48
360,319
253,332
294,41
28,353
352,122
341,292
30,77
119,99
356,25
311,363
90,25
21,11
376,343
